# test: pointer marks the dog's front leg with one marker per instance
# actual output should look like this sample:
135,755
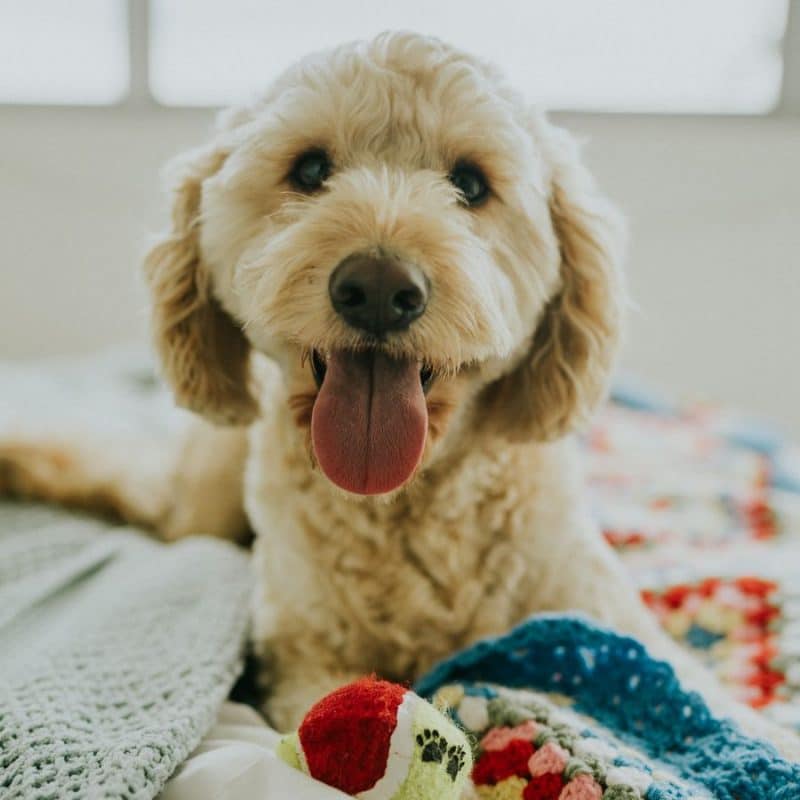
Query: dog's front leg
298,671
588,576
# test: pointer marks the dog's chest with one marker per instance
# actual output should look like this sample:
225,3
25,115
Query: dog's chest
394,586
391,589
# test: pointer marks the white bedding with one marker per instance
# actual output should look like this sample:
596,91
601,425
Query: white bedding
237,761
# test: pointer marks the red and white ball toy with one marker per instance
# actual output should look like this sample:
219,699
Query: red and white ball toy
377,740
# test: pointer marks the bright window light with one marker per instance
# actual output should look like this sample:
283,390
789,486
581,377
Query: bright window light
57,52
702,56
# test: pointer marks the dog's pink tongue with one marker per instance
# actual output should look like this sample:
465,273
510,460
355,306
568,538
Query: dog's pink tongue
369,422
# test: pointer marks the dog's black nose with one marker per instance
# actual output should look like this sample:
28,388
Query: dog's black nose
378,293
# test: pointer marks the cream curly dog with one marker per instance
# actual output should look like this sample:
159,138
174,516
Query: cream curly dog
397,286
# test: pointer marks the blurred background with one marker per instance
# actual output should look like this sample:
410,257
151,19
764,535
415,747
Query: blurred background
689,109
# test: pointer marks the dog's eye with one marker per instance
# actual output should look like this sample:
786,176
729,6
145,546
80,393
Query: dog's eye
311,170
470,181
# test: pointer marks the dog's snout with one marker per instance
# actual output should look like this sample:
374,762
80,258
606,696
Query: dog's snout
378,294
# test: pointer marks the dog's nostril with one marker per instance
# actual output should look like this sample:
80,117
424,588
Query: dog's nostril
350,295
409,301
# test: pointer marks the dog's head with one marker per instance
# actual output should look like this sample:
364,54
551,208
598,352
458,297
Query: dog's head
421,254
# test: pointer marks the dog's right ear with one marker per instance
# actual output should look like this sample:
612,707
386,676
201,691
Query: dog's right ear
203,352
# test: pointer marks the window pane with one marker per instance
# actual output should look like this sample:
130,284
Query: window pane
63,52
705,56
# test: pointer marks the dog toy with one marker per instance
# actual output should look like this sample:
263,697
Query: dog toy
377,740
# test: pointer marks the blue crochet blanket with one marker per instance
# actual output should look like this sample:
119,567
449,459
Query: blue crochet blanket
561,702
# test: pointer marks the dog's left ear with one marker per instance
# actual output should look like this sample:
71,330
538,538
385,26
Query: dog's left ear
566,370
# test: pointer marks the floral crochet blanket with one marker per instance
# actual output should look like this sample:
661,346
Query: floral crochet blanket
704,507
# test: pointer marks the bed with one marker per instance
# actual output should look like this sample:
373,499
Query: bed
702,504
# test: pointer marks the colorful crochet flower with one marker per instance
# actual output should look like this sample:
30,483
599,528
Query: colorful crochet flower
621,793
499,738
732,622
548,758
582,787
494,766
544,787
474,713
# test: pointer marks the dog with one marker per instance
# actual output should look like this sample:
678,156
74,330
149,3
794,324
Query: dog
392,291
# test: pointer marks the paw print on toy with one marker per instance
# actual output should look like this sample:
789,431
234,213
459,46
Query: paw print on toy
456,761
437,749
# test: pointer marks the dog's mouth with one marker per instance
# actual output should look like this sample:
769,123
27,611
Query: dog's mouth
319,366
370,418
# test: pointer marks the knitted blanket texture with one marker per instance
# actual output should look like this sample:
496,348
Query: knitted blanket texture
115,653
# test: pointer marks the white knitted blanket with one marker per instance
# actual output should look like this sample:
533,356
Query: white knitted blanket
115,653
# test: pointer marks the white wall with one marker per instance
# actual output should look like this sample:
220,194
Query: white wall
714,264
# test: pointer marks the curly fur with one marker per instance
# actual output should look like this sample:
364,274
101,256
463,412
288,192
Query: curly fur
521,330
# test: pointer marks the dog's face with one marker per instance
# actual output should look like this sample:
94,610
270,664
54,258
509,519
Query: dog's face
420,253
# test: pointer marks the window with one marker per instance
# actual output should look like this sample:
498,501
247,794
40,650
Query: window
627,55
56,52
671,56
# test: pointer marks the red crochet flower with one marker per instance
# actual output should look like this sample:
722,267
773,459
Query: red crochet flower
545,787
494,766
